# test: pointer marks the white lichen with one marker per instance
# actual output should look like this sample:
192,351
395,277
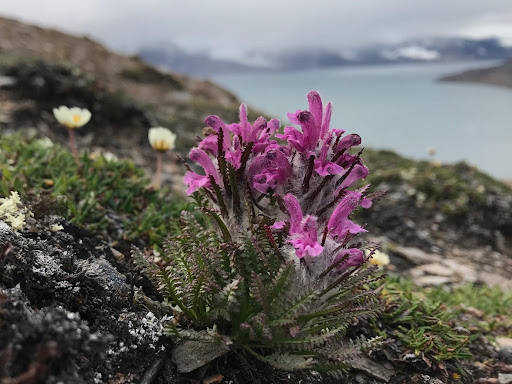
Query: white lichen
150,329
56,228
13,212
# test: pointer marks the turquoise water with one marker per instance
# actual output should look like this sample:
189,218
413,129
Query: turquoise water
401,108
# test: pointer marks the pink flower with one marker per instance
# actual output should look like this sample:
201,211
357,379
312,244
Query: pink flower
314,123
269,170
258,133
355,258
200,157
303,231
324,167
234,156
348,142
195,181
210,144
358,172
339,224
305,242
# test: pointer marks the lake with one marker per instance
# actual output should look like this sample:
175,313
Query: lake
402,108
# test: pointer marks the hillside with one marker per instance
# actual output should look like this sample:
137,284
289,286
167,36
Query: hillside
500,75
43,68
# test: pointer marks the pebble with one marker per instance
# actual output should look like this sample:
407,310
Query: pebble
505,378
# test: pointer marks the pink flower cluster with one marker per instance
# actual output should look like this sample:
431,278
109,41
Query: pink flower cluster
309,172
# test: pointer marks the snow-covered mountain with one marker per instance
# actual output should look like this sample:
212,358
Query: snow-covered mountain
411,51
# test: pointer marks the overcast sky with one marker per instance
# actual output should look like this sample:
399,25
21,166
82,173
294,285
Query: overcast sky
226,27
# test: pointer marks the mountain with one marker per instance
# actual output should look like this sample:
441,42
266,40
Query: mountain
411,51
199,64
500,75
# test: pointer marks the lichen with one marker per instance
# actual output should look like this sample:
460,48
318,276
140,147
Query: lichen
13,212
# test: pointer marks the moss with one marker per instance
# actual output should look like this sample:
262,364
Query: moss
109,197
450,188
441,322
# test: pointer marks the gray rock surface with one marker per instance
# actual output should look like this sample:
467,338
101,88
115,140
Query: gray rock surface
191,355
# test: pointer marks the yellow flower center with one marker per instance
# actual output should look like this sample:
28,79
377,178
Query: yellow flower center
161,145
76,119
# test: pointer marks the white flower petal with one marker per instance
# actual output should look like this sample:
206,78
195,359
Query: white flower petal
72,117
161,138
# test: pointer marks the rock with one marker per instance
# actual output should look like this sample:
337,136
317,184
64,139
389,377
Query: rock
505,354
191,355
505,378
425,379
64,305
503,342
6,81
436,269
416,255
429,280
493,280
380,371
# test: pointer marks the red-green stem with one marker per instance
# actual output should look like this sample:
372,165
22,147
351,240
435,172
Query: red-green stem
72,145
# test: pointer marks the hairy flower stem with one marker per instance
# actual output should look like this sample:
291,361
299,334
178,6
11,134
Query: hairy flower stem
332,266
158,180
72,145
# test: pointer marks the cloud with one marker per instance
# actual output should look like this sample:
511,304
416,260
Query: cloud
230,26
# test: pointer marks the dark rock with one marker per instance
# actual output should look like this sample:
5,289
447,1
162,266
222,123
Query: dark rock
505,354
67,314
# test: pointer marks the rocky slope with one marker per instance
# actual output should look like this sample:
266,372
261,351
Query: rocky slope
500,75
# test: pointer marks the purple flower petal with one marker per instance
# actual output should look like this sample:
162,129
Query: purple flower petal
339,225
215,122
209,144
349,141
278,225
309,129
294,138
293,207
315,107
355,258
366,203
324,129
200,157
293,117
195,181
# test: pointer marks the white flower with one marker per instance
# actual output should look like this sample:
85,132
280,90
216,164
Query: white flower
161,138
72,117
379,258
